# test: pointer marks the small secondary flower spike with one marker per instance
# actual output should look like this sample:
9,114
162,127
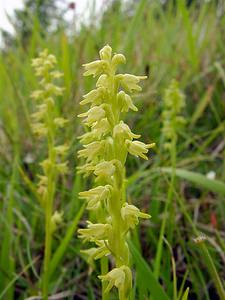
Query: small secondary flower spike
106,146
174,101
46,124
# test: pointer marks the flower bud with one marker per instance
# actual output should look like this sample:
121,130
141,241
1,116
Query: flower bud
105,53
117,60
56,219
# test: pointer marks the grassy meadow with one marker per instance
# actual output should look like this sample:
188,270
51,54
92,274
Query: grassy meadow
183,244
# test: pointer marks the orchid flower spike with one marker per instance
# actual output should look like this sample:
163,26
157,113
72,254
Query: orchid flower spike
106,145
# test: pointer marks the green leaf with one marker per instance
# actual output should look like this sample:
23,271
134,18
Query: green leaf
134,26
185,295
212,185
58,255
202,105
147,276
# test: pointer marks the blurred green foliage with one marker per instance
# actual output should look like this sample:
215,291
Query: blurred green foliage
164,41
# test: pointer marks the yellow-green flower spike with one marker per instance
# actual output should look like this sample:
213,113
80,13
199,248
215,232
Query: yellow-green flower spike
46,123
106,146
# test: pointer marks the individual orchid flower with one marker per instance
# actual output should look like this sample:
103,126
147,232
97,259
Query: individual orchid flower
121,278
130,82
138,148
131,215
95,232
95,196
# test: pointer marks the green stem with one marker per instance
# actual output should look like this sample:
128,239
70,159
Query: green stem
104,270
167,208
6,252
49,203
48,243
119,246
206,255
212,269
172,184
121,255
48,237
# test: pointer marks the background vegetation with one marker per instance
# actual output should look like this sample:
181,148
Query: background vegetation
177,40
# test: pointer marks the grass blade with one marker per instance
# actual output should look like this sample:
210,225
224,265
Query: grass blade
213,185
203,103
133,28
147,275
212,269
56,258
7,262
185,296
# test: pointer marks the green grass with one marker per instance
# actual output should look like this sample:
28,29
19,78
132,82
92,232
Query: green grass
182,43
